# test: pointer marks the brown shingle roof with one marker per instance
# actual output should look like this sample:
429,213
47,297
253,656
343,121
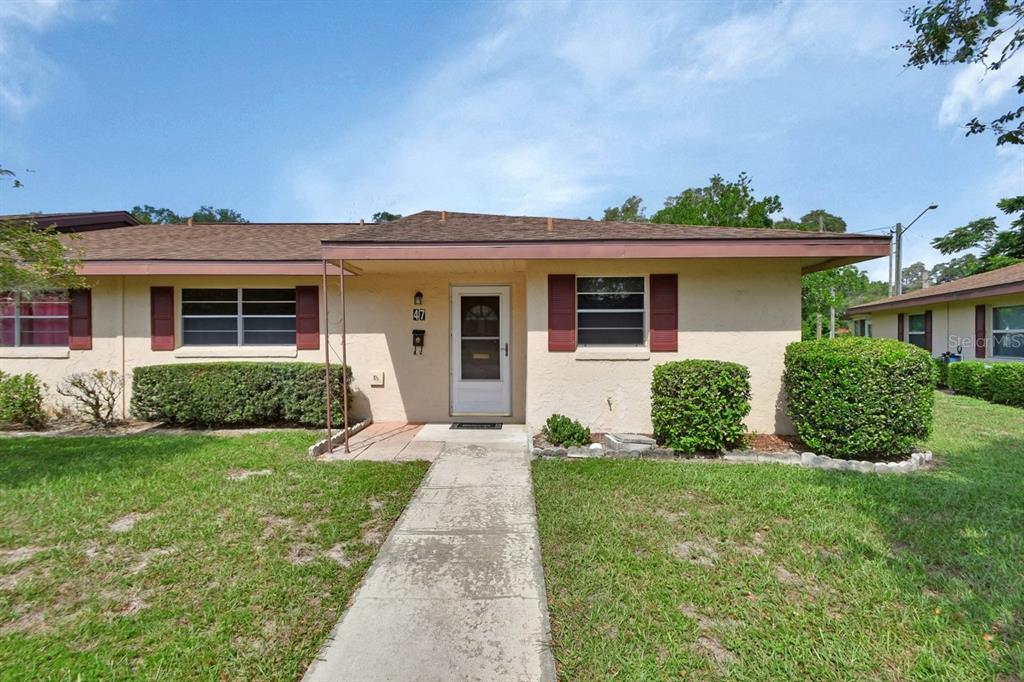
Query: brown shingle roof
302,241
990,283
428,227
220,241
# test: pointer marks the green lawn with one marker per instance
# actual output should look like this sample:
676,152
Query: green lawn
667,570
216,579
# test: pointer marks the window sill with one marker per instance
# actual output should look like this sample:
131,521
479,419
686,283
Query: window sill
28,352
236,352
587,354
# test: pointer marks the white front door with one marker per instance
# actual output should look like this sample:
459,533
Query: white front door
481,380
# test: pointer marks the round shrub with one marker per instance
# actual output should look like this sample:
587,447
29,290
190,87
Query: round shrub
1004,383
235,393
699,405
561,430
859,398
968,378
21,401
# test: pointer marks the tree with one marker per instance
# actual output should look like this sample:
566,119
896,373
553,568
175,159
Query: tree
954,269
986,32
150,215
34,258
721,202
814,221
827,289
914,276
631,211
385,217
999,248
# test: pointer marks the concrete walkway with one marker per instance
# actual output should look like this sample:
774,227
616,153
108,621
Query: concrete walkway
457,590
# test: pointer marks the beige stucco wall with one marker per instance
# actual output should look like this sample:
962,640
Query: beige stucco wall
745,311
379,313
952,323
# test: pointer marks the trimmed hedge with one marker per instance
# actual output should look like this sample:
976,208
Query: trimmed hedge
941,372
235,393
968,378
21,401
561,430
859,398
998,382
699,405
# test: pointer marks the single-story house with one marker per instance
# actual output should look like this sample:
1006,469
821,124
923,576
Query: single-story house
446,316
977,317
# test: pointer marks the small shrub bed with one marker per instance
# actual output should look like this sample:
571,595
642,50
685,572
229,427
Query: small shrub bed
859,398
998,382
699,405
234,393
566,432
21,401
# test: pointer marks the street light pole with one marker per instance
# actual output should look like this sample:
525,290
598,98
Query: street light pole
899,247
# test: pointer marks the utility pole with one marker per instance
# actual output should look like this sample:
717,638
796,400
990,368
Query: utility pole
832,314
898,270
892,246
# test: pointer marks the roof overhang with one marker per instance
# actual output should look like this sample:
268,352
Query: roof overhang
925,300
204,267
832,252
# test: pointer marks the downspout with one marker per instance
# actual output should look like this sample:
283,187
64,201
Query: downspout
327,363
344,350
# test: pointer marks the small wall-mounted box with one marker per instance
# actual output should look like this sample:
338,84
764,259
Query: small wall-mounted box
377,378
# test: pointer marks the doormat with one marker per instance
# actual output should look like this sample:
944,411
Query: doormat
486,426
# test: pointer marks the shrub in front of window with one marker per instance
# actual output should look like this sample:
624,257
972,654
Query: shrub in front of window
236,394
968,378
859,398
94,395
1004,383
21,401
699,405
566,432
941,373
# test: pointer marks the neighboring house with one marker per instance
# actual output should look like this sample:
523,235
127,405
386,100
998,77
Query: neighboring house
978,317
78,222
448,316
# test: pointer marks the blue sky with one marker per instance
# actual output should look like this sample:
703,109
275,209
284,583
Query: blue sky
332,111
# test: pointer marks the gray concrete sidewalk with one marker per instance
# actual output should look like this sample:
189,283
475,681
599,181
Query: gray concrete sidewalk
457,590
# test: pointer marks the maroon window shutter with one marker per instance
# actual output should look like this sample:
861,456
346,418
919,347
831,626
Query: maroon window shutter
664,313
561,313
899,327
161,318
307,318
928,330
80,320
980,333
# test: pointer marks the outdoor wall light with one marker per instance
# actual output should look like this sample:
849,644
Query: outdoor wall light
417,298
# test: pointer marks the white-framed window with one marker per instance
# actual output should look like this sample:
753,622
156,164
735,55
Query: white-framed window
610,311
1008,331
39,320
238,317
916,330
862,327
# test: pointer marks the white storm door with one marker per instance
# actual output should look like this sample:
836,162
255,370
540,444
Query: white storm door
480,363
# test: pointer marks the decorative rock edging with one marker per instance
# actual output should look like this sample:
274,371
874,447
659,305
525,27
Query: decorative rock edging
917,459
337,438
810,460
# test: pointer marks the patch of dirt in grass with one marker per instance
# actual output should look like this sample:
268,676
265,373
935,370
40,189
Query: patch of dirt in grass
29,623
13,556
143,561
670,516
705,622
127,604
714,650
301,553
375,504
337,555
127,522
698,552
273,525
246,474
787,578
11,582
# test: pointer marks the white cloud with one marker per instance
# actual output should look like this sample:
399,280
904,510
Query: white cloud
26,73
551,104
974,89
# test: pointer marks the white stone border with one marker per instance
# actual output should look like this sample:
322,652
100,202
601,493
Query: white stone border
917,460
336,438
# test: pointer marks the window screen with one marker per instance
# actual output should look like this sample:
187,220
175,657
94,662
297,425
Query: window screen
610,311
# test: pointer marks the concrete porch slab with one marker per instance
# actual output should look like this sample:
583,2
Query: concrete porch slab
508,434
